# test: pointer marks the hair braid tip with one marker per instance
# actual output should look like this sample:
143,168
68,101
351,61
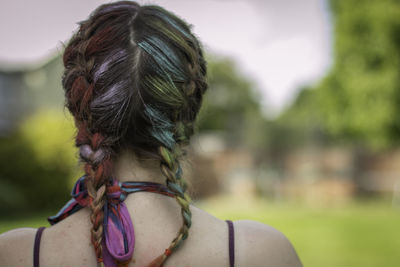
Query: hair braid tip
159,261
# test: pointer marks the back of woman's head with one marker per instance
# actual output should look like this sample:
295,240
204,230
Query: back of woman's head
134,78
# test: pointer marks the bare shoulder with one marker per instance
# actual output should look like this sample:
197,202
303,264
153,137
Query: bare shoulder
16,247
258,244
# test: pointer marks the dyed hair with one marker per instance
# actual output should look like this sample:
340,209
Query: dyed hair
134,78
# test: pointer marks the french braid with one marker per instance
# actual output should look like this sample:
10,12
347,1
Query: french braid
97,156
96,150
171,169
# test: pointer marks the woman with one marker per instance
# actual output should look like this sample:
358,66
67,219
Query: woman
134,80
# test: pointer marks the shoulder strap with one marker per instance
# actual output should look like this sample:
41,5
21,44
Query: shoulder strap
36,247
231,244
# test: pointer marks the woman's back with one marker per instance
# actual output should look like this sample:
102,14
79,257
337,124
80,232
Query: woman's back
156,219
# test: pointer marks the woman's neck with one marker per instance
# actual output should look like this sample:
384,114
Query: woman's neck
129,168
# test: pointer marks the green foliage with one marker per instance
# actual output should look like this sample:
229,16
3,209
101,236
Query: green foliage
360,96
37,163
231,104
300,124
358,100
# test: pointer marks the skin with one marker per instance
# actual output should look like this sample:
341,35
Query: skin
156,220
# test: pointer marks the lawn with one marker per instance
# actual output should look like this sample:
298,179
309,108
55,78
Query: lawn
358,234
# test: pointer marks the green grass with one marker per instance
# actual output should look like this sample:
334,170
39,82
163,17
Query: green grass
355,234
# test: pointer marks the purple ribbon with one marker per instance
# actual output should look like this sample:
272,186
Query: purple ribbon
119,241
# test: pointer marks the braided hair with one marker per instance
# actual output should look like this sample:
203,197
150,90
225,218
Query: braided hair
134,77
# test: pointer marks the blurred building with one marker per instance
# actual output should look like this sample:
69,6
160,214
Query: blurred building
23,89
316,175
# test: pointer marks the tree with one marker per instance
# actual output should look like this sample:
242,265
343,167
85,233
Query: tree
358,101
231,105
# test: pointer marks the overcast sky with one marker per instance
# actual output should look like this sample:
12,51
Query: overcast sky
280,44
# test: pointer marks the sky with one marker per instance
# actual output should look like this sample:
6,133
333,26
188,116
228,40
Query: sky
281,45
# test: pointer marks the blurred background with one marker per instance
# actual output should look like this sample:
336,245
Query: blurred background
300,128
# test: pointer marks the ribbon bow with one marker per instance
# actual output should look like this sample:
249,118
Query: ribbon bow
119,238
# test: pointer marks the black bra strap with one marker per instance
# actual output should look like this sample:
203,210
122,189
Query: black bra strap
231,244
36,247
